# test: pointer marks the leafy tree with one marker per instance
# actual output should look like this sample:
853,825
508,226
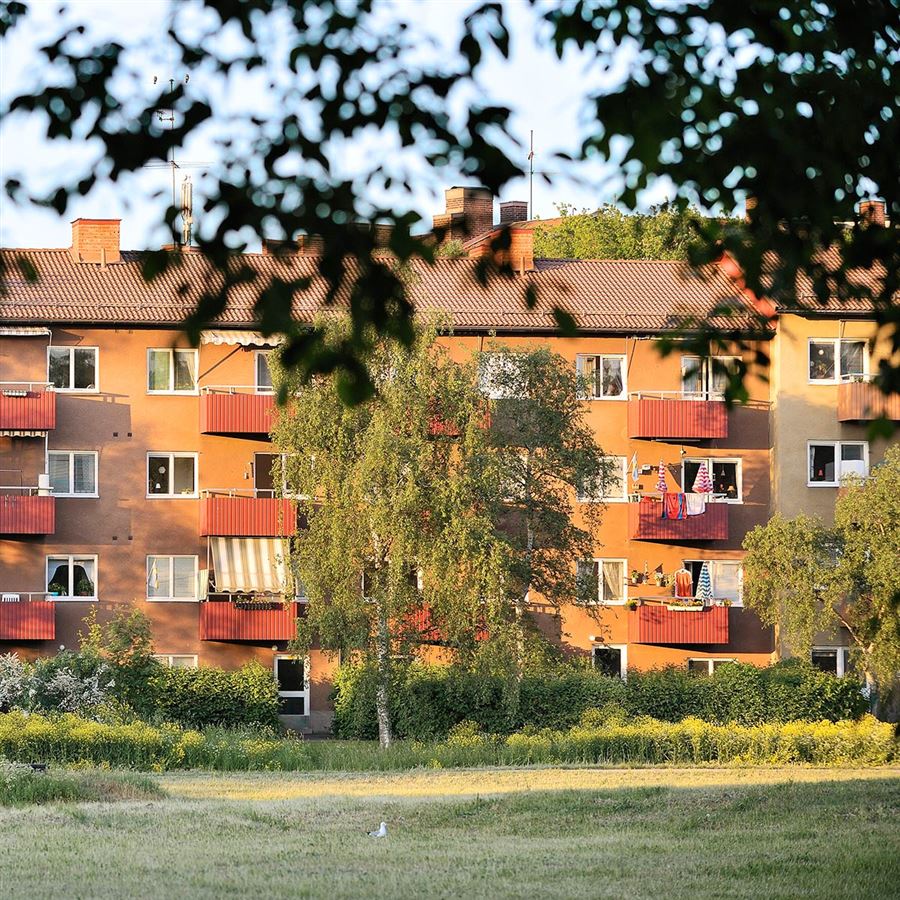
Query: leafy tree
665,232
806,578
791,104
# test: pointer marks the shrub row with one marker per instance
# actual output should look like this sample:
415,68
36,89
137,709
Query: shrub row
427,701
70,739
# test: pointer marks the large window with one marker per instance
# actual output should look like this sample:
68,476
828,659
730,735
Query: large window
263,374
724,473
171,371
831,461
499,377
832,360
72,368
601,581
172,578
601,377
830,659
591,491
610,659
171,474
292,675
705,378
726,578
73,473
72,577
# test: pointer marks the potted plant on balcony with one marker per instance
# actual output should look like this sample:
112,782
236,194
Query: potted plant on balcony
632,604
257,603
661,579
56,589
684,604
636,577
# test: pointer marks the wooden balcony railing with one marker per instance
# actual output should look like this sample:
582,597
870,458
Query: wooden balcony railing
26,617
861,401
236,410
25,512
656,624
26,406
645,523
226,620
236,514
676,416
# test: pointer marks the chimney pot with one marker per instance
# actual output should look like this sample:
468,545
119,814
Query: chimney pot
513,211
96,241
872,212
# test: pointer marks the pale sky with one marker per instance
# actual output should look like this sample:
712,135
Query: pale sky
544,93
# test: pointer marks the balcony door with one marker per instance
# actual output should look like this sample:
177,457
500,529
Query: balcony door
706,378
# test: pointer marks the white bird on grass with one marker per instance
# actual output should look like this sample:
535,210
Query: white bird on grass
382,831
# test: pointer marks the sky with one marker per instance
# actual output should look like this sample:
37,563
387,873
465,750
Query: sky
545,94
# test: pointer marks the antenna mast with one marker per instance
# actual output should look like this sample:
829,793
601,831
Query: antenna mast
168,115
531,177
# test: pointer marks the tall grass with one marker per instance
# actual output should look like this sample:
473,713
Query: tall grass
20,785
69,739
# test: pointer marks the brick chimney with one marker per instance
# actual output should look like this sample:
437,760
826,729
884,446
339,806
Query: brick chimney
513,211
95,241
469,213
872,212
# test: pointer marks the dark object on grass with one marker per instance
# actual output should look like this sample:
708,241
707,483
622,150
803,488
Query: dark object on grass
38,767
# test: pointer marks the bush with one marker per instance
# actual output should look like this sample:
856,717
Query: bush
428,701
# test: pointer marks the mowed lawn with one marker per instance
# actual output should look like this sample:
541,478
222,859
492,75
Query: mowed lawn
561,832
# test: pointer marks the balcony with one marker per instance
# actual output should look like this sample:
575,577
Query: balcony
24,511
660,625
234,513
26,407
861,401
665,415
645,523
26,617
236,410
228,620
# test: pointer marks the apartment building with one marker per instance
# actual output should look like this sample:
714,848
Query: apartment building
136,469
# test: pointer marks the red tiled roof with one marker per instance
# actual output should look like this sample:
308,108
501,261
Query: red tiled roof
602,295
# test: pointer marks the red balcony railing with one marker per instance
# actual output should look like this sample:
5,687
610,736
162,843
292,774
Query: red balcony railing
26,618
236,410
660,625
25,406
24,512
674,416
230,621
861,401
645,523
233,514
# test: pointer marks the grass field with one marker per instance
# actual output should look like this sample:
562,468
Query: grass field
561,832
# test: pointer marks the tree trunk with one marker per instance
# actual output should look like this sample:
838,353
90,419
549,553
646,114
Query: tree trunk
382,687
872,691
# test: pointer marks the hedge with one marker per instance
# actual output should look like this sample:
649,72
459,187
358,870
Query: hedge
427,701
68,739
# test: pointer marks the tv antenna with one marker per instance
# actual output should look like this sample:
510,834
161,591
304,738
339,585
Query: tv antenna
531,177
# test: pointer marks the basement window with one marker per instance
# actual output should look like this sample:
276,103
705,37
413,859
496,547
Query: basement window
610,659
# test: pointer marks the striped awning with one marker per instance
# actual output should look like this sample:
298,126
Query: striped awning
23,331
248,565
240,338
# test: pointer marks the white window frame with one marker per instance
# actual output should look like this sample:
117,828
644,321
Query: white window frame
709,460
600,601
836,344
602,498
623,656
71,454
598,366
73,558
837,445
710,662
289,694
72,348
739,602
173,455
842,651
257,387
167,659
171,390
705,371
171,557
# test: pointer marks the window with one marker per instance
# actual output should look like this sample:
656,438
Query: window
601,581
499,377
292,675
177,660
171,474
616,489
832,461
724,473
72,577
601,377
726,578
73,473
610,659
172,578
72,368
705,378
171,371
832,360
830,659
263,375
706,667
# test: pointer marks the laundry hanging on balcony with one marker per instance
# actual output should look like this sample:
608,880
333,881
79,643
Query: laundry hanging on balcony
695,504
704,584
673,506
684,583
703,483
661,485
249,565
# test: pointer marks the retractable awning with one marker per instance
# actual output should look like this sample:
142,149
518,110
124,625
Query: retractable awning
240,338
23,331
245,565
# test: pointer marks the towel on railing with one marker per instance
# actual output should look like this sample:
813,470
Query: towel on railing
673,506
695,504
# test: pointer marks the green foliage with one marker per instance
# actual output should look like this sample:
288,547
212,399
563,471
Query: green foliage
21,785
451,250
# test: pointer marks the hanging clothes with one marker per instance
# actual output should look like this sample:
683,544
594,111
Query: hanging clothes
673,506
704,584
684,584
695,504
